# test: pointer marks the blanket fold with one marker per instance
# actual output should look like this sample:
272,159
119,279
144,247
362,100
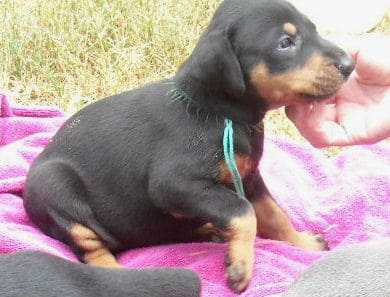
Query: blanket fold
345,198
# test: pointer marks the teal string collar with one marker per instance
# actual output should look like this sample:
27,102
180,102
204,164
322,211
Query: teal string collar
228,142
230,160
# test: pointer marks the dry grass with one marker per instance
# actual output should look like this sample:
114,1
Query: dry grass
53,51
70,53
384,25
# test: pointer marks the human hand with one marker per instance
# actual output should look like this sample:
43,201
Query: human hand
359,113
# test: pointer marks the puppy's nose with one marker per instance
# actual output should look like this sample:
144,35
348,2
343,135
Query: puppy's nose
346,65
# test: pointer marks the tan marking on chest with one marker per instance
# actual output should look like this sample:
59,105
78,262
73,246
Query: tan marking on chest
244,165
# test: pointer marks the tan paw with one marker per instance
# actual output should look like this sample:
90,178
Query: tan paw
238,274
241,236
311,241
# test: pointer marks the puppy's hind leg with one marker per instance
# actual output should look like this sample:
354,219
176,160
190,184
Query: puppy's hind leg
56,199
92,247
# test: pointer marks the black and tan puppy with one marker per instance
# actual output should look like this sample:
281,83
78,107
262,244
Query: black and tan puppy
34,274
147,167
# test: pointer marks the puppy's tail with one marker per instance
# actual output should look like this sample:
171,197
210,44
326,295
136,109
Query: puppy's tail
36,274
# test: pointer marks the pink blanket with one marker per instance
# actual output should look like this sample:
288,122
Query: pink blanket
345,198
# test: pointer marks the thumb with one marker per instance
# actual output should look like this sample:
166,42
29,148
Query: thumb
317,123
297,112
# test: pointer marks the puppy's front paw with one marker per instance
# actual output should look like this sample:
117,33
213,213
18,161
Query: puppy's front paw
312,241
241,235
238,274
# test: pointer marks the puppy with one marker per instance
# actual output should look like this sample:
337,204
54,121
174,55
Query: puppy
360,269
147,166
35,274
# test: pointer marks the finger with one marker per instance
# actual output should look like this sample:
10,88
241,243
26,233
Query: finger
331,134
323,111
317,123
297,112
373,60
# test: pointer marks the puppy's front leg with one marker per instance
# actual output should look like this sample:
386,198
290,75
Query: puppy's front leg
214,203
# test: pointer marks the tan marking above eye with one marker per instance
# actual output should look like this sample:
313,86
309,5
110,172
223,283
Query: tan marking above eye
290,29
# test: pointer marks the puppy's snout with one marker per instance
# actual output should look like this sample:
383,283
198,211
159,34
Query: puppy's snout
345,65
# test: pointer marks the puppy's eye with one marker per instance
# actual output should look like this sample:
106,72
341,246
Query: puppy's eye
286,42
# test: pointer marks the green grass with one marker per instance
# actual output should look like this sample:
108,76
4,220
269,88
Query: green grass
70,53
54,51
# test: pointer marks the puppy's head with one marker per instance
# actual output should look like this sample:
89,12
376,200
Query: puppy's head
269,49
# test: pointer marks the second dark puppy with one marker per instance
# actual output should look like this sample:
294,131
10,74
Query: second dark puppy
147,166
35,274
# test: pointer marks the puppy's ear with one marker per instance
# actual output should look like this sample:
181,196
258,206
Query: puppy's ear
214,64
